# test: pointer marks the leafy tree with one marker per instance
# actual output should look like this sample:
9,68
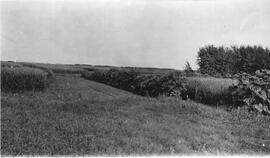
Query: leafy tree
230,60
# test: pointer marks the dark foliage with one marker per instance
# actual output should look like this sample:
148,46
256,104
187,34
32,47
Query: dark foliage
253,91
172,84
223,61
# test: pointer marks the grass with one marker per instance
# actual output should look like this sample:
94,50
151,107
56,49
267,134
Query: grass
22,78
75,116
209,90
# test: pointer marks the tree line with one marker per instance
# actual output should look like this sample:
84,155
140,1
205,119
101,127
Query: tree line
222,60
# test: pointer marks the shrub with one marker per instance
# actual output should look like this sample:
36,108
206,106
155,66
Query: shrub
253,91
22,79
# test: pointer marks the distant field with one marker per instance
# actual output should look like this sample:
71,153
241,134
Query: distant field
79,68
75,116
10,64
145,70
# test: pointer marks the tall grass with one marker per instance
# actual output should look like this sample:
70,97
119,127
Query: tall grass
22,79
211,91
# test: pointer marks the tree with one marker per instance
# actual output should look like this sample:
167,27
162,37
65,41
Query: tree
230,60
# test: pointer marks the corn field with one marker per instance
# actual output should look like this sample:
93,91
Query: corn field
22,79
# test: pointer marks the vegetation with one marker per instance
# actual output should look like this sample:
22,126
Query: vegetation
207,90
188,70
75,116
10,64
56,68
149,70
21,79
78,117
224,60
146,85
84,68
253,91
210,90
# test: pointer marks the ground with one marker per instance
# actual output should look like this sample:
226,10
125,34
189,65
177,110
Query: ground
75,116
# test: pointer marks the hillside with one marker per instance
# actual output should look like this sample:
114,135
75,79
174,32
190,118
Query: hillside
77,116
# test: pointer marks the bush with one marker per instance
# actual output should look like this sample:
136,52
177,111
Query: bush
23,79
253,91
147,85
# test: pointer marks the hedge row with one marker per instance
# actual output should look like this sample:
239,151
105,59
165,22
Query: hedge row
172,84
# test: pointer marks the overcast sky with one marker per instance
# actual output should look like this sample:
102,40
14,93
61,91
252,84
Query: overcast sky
153,33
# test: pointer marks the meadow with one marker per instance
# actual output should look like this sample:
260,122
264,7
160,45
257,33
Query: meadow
76,116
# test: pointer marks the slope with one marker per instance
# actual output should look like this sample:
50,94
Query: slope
80,117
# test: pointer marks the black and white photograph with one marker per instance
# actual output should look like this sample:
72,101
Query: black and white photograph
116,78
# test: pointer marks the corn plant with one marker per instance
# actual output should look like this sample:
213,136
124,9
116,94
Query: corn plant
253,91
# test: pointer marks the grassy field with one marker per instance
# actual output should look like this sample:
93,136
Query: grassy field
75,116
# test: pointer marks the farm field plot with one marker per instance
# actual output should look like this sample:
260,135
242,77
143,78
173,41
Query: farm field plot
75,116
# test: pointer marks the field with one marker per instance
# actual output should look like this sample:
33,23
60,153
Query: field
75,116
79,68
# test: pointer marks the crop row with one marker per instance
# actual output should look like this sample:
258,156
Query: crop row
22,79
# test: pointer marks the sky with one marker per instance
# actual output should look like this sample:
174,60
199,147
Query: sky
144,33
